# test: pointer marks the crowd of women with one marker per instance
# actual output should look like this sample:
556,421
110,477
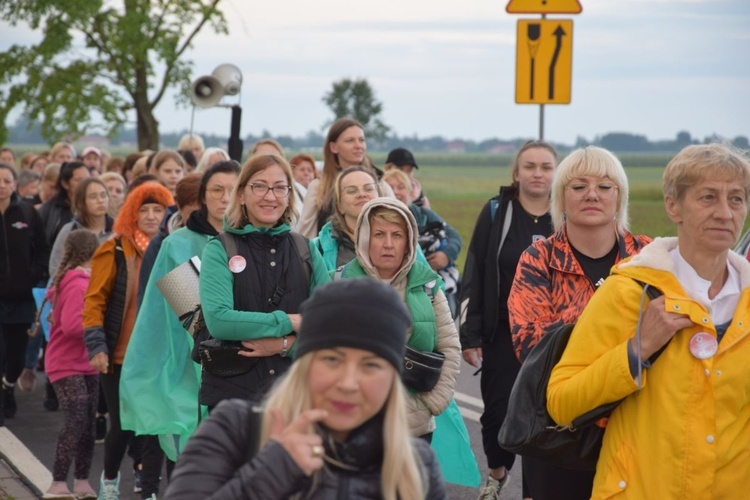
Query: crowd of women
318,291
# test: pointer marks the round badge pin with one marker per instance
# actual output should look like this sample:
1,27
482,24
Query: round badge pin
237,264
703,345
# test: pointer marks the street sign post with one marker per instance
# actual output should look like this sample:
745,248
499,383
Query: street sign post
543,7
544,61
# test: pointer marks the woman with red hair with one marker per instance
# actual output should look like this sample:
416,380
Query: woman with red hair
110,309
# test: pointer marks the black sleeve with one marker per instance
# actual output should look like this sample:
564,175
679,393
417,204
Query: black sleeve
218,463
41,249
472,281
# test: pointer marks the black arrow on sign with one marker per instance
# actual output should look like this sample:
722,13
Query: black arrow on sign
559,33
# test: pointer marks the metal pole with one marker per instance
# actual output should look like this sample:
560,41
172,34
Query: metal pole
541,122
235,143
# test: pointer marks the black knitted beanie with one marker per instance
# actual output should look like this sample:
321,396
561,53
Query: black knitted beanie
361,313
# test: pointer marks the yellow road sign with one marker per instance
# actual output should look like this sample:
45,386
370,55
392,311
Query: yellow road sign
544,61
544,7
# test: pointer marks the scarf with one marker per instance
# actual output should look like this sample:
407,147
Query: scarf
141,240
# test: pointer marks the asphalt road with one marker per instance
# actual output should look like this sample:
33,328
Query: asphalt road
38,428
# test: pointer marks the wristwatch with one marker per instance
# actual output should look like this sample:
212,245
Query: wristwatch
284,347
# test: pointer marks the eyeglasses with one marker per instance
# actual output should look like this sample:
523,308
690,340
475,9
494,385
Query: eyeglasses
367,188
604,190
217,192
260,190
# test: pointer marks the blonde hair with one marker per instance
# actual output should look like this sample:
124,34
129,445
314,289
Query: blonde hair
203,163
255,164
338,217
401,471
698,162
268,142
62,145
596,162
187,141
399,175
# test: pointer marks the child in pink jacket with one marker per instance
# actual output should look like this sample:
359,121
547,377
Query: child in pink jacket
75,381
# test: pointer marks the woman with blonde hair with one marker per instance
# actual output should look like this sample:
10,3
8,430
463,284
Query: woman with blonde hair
62,152
334,427
194,143
117,186
210,157
253,278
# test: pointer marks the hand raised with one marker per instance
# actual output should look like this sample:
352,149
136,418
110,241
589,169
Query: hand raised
305,447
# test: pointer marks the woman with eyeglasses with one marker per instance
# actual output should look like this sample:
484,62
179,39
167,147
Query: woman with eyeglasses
160,382
557,276
90,209
354,187
253,280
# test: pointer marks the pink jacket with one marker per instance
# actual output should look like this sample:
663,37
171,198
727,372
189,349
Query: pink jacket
66,353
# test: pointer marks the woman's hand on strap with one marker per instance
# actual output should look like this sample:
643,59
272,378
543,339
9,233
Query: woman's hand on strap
658,326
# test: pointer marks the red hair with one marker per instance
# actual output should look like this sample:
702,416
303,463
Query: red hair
150,192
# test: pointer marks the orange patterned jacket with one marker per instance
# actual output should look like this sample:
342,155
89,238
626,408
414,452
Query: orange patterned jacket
550,289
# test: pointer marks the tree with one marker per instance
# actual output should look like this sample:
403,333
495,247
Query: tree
355,98
98,61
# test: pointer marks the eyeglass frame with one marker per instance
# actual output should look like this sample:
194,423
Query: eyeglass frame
213,192
604,195
266,188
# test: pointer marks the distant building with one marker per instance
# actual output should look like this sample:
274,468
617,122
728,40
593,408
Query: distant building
456,147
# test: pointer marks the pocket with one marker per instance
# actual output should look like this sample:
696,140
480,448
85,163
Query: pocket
614,473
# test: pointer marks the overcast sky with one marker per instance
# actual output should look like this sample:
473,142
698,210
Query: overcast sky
652,67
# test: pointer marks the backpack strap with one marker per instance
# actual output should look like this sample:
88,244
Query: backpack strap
229,241
494,204
302,246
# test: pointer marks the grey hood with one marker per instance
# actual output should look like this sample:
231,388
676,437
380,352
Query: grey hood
362,237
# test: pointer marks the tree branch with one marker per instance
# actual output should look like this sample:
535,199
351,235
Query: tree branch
185,45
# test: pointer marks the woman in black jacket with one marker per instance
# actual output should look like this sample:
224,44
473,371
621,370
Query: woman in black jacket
506,226
24,253
334,427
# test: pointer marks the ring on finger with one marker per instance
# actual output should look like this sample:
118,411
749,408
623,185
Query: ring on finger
317,450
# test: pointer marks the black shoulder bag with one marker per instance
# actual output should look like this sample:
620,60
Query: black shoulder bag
528,429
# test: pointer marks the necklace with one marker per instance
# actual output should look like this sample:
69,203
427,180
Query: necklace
535,217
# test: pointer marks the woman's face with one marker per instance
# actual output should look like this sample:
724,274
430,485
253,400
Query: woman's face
97,199
7,185
38,165
170,172
47,190
356,189
590,201
149,218
352,385
387,247
401,190
265,209
218,189
116,193
350,147
536,168
63,155
710,216
304,172
78,175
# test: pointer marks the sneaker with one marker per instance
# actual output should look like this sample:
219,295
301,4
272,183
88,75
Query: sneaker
59,490
109,489
50,398
101,429
27,380
9,400
492,487
152,497
137,487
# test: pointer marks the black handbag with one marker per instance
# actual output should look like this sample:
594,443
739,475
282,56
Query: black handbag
421,369
528,429
221,358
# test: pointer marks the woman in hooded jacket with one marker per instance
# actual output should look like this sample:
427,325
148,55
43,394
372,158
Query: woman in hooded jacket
386,246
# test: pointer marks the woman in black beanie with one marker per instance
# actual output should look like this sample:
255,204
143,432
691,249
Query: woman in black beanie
335,424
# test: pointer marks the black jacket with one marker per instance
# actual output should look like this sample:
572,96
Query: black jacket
55,214
480,285
222,461
24,253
